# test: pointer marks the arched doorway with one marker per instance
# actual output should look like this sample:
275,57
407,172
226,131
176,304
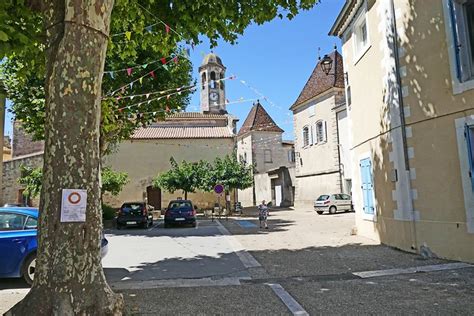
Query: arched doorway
154,197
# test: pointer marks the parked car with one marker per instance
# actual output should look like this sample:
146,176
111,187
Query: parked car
15,205
332,203
135,214
18,242
180,212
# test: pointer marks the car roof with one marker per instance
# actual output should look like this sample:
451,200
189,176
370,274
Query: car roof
28,211
173,201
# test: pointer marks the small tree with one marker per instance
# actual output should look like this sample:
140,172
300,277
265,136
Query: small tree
229,172
32,178
184,176
113,181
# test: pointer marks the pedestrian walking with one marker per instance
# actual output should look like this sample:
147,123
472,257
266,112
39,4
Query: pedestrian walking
263,214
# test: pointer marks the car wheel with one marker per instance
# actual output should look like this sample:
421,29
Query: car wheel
29,268
167,225
332,210
194,224
320,212
119,227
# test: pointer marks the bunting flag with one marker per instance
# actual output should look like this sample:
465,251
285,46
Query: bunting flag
163,60
147,95
167,28
175,59
144,66
129,71
152,74
131,85
149,28
140,80
128,35
112,75
167,108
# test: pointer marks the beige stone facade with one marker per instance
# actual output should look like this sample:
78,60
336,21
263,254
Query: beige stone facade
11,189
145,159
415,110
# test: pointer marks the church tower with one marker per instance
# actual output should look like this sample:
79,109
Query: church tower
212,88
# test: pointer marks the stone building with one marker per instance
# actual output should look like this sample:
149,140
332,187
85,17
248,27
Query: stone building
190,136
259,142
411,76
322,135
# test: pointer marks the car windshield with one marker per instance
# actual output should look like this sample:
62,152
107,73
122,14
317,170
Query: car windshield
127,208
180,205
323,198
9,221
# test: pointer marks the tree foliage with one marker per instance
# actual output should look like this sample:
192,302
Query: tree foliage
21,39
185,176
229,172
202,175
32,180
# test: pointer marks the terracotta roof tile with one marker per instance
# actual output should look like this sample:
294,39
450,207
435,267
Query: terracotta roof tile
319,82
182,132
259,120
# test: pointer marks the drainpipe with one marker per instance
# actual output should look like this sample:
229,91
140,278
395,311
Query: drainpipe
3,100
402,115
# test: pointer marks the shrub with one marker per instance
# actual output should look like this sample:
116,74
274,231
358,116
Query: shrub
108,212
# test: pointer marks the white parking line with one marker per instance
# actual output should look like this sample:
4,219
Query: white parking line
294,307
431,268
247,259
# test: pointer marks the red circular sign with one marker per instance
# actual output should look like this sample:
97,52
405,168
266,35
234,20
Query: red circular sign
74,198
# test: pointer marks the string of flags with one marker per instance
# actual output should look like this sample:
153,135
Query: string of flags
171,91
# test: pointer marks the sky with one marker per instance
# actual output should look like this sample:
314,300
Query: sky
275,59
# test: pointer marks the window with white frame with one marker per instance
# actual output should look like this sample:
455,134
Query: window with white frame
469,136
267,155
291,156
321,135
305,136
462,25
361,35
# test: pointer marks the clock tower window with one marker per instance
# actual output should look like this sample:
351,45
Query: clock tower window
203,80
213,80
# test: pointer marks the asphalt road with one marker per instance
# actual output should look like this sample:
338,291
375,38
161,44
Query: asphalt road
163,254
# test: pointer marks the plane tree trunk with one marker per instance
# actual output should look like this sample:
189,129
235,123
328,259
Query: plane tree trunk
69,279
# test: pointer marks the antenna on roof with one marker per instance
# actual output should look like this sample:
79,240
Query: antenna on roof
319,53
335,47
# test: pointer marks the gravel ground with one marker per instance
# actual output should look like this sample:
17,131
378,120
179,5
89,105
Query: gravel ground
434,293
228,300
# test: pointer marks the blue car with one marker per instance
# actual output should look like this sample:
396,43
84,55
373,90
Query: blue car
18,242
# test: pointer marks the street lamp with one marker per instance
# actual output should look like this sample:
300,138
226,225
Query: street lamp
326,64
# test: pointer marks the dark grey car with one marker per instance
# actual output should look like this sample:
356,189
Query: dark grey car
135,214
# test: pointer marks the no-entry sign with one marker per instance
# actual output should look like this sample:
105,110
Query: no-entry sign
74,205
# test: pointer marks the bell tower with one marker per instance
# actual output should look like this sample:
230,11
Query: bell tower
211,72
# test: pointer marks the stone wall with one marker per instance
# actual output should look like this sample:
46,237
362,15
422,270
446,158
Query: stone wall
22,142
11,173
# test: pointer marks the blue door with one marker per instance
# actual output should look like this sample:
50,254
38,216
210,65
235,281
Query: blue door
367,186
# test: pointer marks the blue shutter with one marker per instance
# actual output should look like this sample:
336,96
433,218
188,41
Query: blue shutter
469,142
457,47
367,186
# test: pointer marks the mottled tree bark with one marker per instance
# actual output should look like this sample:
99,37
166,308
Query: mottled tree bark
69,279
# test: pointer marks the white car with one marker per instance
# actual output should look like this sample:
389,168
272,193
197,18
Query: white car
332,203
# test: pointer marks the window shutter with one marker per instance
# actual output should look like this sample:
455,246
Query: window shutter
325,134
302,138
469,143
460,40
316,134
312,138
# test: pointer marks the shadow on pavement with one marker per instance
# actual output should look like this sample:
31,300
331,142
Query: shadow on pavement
16,283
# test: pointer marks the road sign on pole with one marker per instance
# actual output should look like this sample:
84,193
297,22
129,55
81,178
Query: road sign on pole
219,188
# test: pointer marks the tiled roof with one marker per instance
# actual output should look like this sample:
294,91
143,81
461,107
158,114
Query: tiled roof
196,115
182,132
319,82
259,120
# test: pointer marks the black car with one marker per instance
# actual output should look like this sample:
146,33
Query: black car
180,212
135,214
